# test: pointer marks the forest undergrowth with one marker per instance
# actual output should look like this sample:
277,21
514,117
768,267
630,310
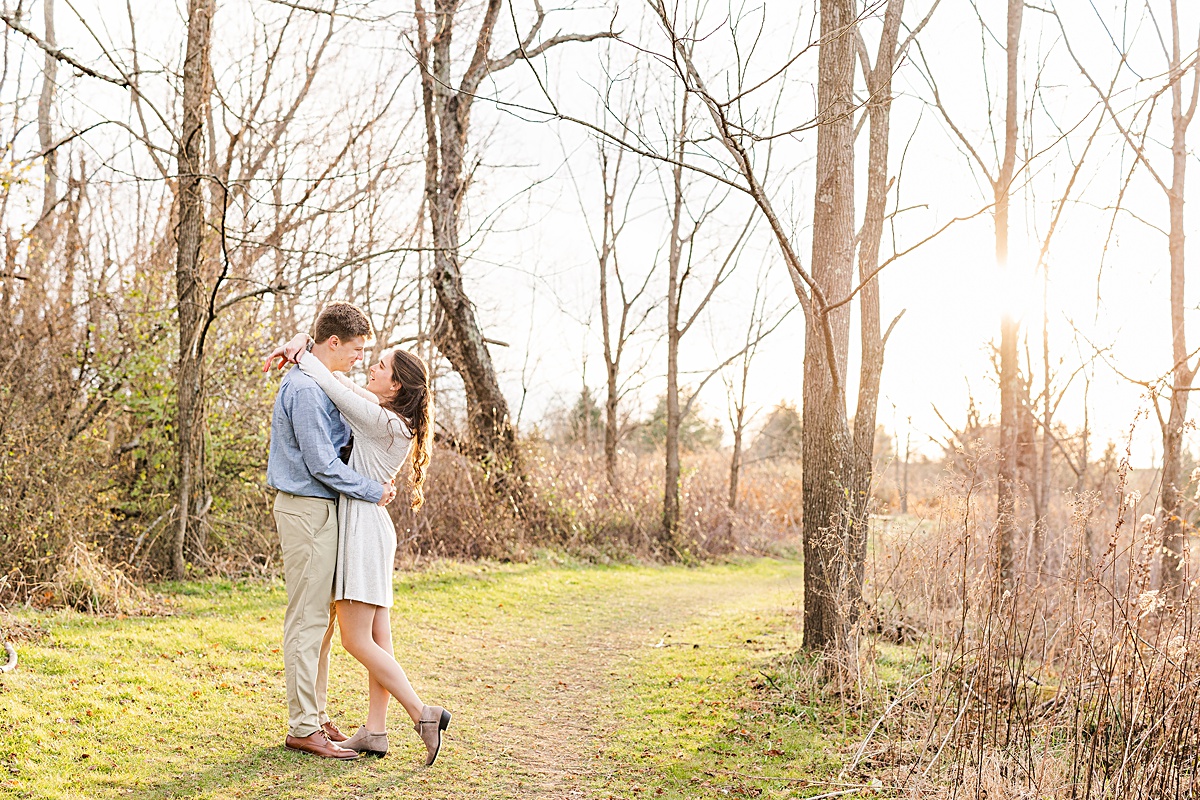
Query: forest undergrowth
86,524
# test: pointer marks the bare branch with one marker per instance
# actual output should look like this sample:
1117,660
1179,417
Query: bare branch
912,36
750,344
520,54
902,253
14,23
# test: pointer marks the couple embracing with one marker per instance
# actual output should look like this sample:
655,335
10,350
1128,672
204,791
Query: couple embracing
339,544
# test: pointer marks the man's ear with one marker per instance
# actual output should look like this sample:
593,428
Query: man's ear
333,341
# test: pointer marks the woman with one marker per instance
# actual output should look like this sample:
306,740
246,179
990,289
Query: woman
391,420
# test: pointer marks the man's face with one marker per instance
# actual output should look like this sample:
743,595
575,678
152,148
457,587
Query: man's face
346,353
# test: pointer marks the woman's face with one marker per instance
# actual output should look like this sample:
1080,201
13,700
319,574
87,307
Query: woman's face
381,382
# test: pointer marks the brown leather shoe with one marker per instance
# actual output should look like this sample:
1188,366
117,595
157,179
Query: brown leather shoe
332,733
316,744
434,720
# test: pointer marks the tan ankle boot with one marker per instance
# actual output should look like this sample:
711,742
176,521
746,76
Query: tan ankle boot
368,743
434,720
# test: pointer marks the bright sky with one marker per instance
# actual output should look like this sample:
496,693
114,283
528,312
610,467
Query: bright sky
533,275
951,289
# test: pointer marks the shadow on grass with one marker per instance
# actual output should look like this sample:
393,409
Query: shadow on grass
276,772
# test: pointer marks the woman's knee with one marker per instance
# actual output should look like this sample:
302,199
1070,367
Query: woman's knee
354,642
355,635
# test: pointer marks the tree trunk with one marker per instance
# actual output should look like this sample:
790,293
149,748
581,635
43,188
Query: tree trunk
879,85
1174,558
189,276
40,284
40,235
735,459
459,337
1081,480
611,353
611,424
1038,544
1010,399
671,499
1174,541
72,239
827,450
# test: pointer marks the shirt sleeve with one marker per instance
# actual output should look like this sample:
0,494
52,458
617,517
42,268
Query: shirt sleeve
364,414
312,425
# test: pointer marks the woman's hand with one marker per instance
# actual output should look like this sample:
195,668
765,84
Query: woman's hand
389,493
288,353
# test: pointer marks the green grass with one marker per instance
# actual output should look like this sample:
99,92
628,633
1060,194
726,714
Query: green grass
714,712
552,672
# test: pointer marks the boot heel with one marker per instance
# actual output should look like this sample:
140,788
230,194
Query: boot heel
444,722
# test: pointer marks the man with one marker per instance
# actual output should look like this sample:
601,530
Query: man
307,433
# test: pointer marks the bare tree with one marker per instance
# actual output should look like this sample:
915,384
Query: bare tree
873,338
676,244
42,232
824,294
1010,379
828,459
447,107
623,303
189,273
684,258
1174,561
736,387
620,316
1177,384
1000,179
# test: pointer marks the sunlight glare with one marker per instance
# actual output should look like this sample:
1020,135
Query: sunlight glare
1010,290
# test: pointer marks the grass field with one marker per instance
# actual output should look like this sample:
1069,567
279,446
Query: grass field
565,681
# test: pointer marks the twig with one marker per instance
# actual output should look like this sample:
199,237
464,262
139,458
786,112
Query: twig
771,681
903,696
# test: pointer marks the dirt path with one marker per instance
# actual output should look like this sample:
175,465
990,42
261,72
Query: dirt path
569,667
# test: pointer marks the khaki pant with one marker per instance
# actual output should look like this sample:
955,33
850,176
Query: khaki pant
308,535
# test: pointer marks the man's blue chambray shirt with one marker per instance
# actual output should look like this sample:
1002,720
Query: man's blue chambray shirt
306,434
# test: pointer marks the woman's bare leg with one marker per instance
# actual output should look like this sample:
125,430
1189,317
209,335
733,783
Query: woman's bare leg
357,621
381,633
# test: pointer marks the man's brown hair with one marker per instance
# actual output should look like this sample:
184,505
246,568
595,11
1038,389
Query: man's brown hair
343,320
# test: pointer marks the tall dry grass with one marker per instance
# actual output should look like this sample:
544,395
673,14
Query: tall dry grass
571,508
1077,680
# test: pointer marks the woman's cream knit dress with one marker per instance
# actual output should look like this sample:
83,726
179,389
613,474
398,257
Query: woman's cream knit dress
366,536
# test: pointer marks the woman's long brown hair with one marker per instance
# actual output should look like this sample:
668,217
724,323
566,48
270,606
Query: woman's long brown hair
414,405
